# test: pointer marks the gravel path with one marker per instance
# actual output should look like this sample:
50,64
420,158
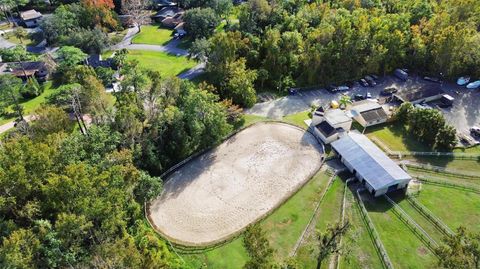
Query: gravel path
221,192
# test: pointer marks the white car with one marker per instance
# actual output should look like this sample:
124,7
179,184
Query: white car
474,85
463,81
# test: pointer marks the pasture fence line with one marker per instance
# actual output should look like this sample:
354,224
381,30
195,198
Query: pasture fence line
342,221
444,183
429,215
333,175
413,225
374,233
438,169
401,154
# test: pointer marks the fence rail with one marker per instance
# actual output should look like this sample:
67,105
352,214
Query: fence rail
400,154
373,232
417,229
438,169
429,215
466,187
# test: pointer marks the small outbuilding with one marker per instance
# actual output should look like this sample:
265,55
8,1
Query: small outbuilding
370,165
329,125
368,113
30,18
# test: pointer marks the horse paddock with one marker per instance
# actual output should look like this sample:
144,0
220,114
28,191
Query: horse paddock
217,194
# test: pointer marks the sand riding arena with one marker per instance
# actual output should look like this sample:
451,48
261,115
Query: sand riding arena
217,194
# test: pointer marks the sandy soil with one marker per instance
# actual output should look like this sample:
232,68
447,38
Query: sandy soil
222,191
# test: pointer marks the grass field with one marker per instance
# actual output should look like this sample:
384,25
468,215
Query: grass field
28,41
283,227
443,176
166,64
32,104
153,35
361,252
449,163
328,213
404,248
396,137
454,207
297,119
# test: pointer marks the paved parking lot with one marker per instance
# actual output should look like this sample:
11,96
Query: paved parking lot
464,113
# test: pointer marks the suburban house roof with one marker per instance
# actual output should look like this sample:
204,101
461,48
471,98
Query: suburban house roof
420,93
95,60
336,116
326,129
30,15
28,68
168,12
369,161
374,115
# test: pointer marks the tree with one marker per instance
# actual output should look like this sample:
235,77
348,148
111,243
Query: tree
15,54
10,95
201,22
446,138
344,101
461,250
425,124
401,114
238,84
99,12
31,89
20,33
329,241
49,120
70,56
136,9
258,248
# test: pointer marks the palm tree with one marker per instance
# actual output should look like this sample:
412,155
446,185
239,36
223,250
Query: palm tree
344,101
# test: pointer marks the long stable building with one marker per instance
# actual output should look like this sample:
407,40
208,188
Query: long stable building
370,164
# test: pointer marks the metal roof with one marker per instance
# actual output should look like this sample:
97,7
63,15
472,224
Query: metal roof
336,116
369,161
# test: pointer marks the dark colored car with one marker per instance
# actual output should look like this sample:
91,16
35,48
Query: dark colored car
332,88
363,82
292,91
388,91
370,81
432,79
358,97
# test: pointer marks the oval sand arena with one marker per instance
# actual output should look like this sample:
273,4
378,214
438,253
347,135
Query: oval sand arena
222,191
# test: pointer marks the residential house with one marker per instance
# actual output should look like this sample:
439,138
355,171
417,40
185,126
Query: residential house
170,17
24,70
30,18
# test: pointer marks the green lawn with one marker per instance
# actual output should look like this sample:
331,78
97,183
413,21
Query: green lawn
396,137
283,227
454,207
403,246
361,252
28,41
153,35
297,119
249,119
443,176
32,104
166,64
329,213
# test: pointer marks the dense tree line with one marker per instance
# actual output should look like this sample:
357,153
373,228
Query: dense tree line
291,43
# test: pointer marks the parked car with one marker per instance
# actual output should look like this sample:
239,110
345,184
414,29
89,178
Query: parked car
363,82
343,88
389,91
473,85
401,74
368,95
462,81
292,91
332,88
370,81
475,131
375,77
358,97
432,79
